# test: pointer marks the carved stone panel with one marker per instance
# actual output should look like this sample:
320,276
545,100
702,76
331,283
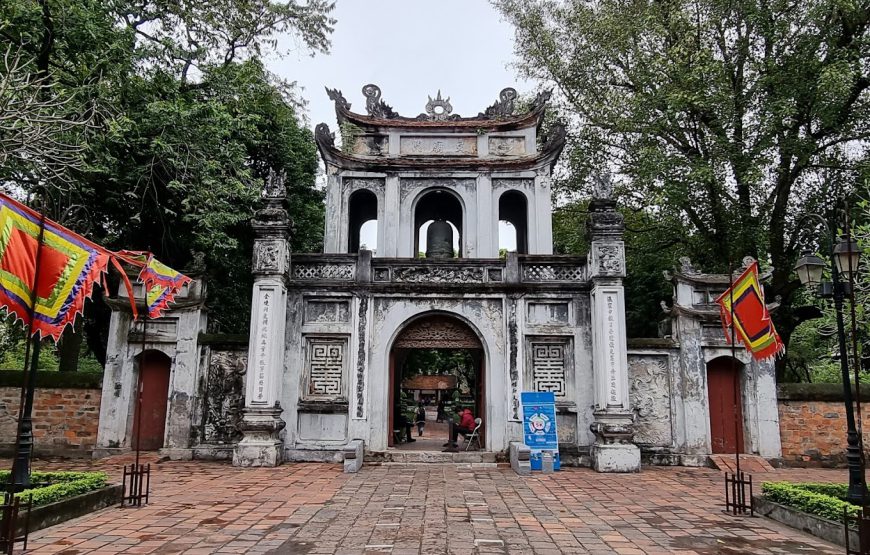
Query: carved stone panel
437,332
438,274
539,273
270,256
436,145
608,259
549,359
320,311
341,271
650,398
507,146
371,145
369,184
547,313
224,396
326,363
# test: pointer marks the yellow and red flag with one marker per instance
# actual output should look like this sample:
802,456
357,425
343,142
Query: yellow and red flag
162,283
69,265
751,319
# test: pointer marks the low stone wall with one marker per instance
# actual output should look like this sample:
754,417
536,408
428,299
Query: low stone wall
812,423
66,412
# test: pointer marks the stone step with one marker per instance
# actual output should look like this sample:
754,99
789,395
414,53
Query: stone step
748,463
431,457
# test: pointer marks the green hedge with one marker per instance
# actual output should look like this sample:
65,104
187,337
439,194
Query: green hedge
817,499
52,378
61,485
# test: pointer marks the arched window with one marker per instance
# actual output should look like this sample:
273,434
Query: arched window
362,221
438,205
513,222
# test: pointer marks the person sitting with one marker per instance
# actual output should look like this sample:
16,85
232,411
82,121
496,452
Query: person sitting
465,426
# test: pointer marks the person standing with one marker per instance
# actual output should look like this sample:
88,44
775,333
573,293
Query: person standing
420,419
440,417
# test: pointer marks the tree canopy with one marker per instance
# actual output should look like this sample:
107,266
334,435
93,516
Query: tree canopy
726,120
161,121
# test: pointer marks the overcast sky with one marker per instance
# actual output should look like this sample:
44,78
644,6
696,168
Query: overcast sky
410,49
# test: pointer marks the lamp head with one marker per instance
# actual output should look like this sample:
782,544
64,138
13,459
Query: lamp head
847,254
809,268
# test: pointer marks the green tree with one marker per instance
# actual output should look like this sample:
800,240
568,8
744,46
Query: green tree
169,122
718,114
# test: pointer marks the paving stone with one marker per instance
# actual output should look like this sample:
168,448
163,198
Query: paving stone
209,507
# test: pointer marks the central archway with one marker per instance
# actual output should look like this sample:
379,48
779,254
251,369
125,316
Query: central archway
437,361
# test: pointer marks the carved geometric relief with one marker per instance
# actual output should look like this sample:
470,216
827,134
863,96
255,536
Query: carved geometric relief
553,272
326,361
650,399
324,271
548,368
319,311
224,396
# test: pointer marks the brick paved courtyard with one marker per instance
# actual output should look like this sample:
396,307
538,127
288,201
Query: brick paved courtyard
205,507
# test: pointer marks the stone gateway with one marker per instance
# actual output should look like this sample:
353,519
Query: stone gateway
318,377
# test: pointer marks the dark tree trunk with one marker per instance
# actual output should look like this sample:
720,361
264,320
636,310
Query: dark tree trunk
69,347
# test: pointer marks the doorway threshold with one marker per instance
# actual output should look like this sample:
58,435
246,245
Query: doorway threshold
474,458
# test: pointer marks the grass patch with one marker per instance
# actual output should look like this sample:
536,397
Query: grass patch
55,486
823,500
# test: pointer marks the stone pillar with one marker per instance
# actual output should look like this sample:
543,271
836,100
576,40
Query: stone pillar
613,450
262,423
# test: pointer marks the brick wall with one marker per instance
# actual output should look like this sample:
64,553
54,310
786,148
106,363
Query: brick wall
812,424
64,418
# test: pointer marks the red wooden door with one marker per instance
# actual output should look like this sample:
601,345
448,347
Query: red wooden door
726,409
154,384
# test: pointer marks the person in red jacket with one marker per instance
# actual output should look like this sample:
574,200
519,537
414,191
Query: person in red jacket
465,426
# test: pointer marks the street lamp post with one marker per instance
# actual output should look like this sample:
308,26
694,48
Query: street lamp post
844,258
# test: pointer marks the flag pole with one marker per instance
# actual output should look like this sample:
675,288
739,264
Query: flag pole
20,478
735,392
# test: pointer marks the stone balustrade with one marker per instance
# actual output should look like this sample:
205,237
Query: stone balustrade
363,268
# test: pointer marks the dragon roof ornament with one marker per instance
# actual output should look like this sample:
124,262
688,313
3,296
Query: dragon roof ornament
439,110
503,107
376,107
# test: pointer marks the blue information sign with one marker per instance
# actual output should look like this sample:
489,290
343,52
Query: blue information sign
539,426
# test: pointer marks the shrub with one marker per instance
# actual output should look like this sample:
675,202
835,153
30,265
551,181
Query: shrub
61,485
815,499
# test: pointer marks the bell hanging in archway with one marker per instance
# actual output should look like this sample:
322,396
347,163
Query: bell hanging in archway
439,240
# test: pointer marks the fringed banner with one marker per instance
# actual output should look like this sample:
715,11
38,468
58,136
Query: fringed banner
752,324
161,282
69,265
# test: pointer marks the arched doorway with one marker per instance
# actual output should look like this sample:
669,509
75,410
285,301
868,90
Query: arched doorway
437,361
726,405
149,427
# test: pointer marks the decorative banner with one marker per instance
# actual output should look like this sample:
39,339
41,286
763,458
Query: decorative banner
162,283
752,324
68,267
539,426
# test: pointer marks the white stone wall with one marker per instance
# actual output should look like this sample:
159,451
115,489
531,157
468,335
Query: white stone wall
478,192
